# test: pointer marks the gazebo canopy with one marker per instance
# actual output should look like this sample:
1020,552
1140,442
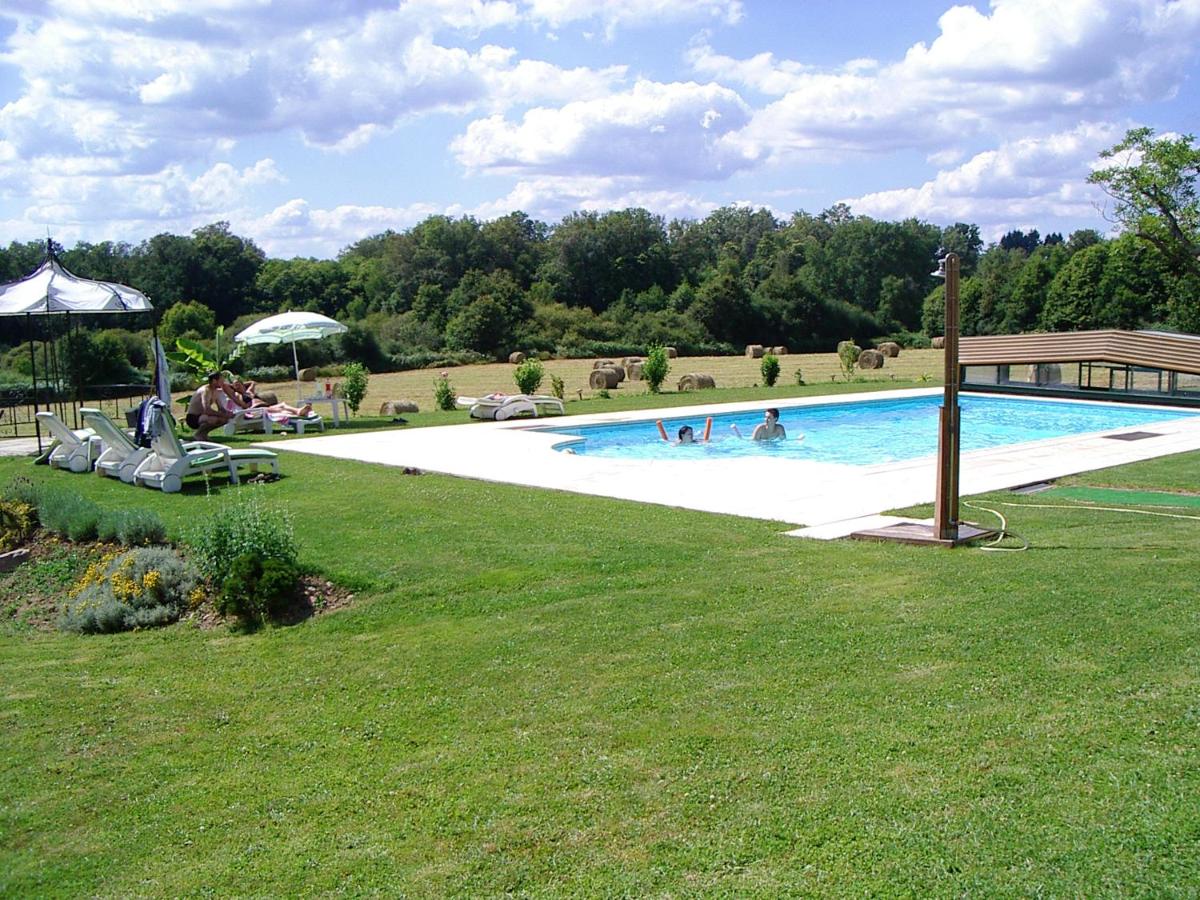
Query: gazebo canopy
52,290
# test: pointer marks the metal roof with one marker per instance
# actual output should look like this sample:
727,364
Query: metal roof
1156,349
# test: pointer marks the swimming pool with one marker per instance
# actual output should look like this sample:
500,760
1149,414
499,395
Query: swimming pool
863,433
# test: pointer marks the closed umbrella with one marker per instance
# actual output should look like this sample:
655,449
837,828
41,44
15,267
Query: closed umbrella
287,328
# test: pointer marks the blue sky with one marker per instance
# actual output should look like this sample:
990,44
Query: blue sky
310,124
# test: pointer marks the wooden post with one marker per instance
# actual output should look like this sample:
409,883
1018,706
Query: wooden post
945,516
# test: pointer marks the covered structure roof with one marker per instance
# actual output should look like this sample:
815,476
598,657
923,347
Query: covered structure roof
1157,349
51,290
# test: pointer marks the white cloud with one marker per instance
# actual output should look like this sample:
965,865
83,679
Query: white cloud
1026,61
613,14
1019,184
338,73
295,229
550,198
669,131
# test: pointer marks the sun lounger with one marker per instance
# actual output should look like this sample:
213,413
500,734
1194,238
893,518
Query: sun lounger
73,450
119,455
505,406
171,460
258,420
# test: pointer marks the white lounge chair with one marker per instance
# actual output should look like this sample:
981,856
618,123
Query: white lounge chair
505,406
119,456
268,423
71,449
170,460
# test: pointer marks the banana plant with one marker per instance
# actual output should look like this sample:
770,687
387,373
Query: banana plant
193,357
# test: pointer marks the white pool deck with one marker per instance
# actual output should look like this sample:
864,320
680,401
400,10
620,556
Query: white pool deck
829,500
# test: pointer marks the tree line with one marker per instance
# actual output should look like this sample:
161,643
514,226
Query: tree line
458,289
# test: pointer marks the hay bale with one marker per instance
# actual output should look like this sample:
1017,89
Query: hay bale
395,407
268,397
620,370
603,379
672,353
890,349
603,364
779,351
938,343
870,359
754,351
634,372
309,374
516,357
630,360
695,381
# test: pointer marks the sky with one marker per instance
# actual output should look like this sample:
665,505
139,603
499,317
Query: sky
310,124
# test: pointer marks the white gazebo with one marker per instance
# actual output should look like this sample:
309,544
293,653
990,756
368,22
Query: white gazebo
53,291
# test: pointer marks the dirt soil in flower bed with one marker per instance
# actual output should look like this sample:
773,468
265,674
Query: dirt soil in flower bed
32,595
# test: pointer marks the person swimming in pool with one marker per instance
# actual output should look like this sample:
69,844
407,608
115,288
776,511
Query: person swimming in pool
769,429
685,434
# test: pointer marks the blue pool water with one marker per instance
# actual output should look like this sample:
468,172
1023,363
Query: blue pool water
866,433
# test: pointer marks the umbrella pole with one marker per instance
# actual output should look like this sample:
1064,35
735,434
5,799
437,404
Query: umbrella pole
296,362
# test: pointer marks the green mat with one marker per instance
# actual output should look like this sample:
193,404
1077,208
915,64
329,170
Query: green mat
1118,497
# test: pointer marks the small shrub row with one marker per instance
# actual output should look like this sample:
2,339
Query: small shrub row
78,519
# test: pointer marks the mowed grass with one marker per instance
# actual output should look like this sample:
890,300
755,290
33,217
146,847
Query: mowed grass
544,694
819,370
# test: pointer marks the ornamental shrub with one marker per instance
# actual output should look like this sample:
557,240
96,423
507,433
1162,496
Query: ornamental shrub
245,525
354,384
443,394
17,521
132,527
68,514
656,367
557,388
770,369
528,375
848,353
139,588
257,590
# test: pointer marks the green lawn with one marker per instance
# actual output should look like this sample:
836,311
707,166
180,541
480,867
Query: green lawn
546,694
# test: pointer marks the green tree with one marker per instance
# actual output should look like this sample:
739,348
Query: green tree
189,319
1152,183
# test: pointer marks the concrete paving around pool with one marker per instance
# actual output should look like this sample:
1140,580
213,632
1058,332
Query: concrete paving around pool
830,500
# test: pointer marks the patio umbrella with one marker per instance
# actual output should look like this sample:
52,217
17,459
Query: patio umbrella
287,328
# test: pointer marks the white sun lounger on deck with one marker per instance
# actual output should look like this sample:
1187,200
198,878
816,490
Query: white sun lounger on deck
170,461
72,450
505,406
120,456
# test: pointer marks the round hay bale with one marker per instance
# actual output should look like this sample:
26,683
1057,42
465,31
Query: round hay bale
603,364
395,407
890,349
695,381
268,397
620,370
630,360
516,357
602,379
754,351
938,343
870,359
672,353
779,351
309,374
634,372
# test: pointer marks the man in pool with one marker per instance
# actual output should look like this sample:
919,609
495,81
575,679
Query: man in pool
769,429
